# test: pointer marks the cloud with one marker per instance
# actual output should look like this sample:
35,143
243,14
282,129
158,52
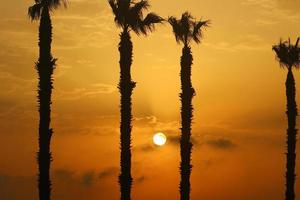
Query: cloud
150,120
108,172
145,148
153,121
238,46
140,179
221,143
79,93
86,63
92,21
64,175
17,187
175,140
20,33
267,4
88,178
3,179
218,143
274,11
291,5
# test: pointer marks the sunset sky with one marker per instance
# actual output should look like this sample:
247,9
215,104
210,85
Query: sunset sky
239,124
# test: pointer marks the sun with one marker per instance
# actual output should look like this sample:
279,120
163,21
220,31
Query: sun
159,139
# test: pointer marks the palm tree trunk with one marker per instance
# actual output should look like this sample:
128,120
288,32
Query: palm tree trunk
291,136
126,87
186,120
45,67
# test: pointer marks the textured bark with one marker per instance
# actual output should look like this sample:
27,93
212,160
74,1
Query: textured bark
45,67
186,120
291,136
126,87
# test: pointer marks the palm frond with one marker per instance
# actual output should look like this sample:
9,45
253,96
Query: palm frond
287,54
114,7
134,16
125,3
121,11
186,25
197,32
34,12
129,15
297,42
54,4
187,29
123,6
281,51
295,54
137,9
135,24
148,24
176,28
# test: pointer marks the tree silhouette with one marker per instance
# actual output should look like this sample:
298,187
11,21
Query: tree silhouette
129,17
44,66
288,56
186,29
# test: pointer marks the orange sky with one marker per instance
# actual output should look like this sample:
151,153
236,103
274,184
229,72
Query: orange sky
239,125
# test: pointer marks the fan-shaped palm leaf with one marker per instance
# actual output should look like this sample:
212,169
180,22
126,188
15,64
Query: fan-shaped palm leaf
34,12
187,29
137,9
129,15
148,24
186,25
114,7
287,54
197,32
123,5
176,28
53,4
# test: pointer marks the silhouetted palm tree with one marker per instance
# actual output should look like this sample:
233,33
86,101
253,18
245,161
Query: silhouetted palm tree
45,66
288,56
185,30
129,16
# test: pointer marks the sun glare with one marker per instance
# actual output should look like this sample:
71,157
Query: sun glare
159,139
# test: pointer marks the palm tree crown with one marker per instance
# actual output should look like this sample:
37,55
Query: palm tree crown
129,15
187,28
34,12
288,54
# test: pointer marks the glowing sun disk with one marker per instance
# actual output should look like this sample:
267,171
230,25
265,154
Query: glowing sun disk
159,139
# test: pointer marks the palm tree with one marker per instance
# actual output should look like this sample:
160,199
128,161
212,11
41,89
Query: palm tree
129,17
288,56
186,30
44,66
